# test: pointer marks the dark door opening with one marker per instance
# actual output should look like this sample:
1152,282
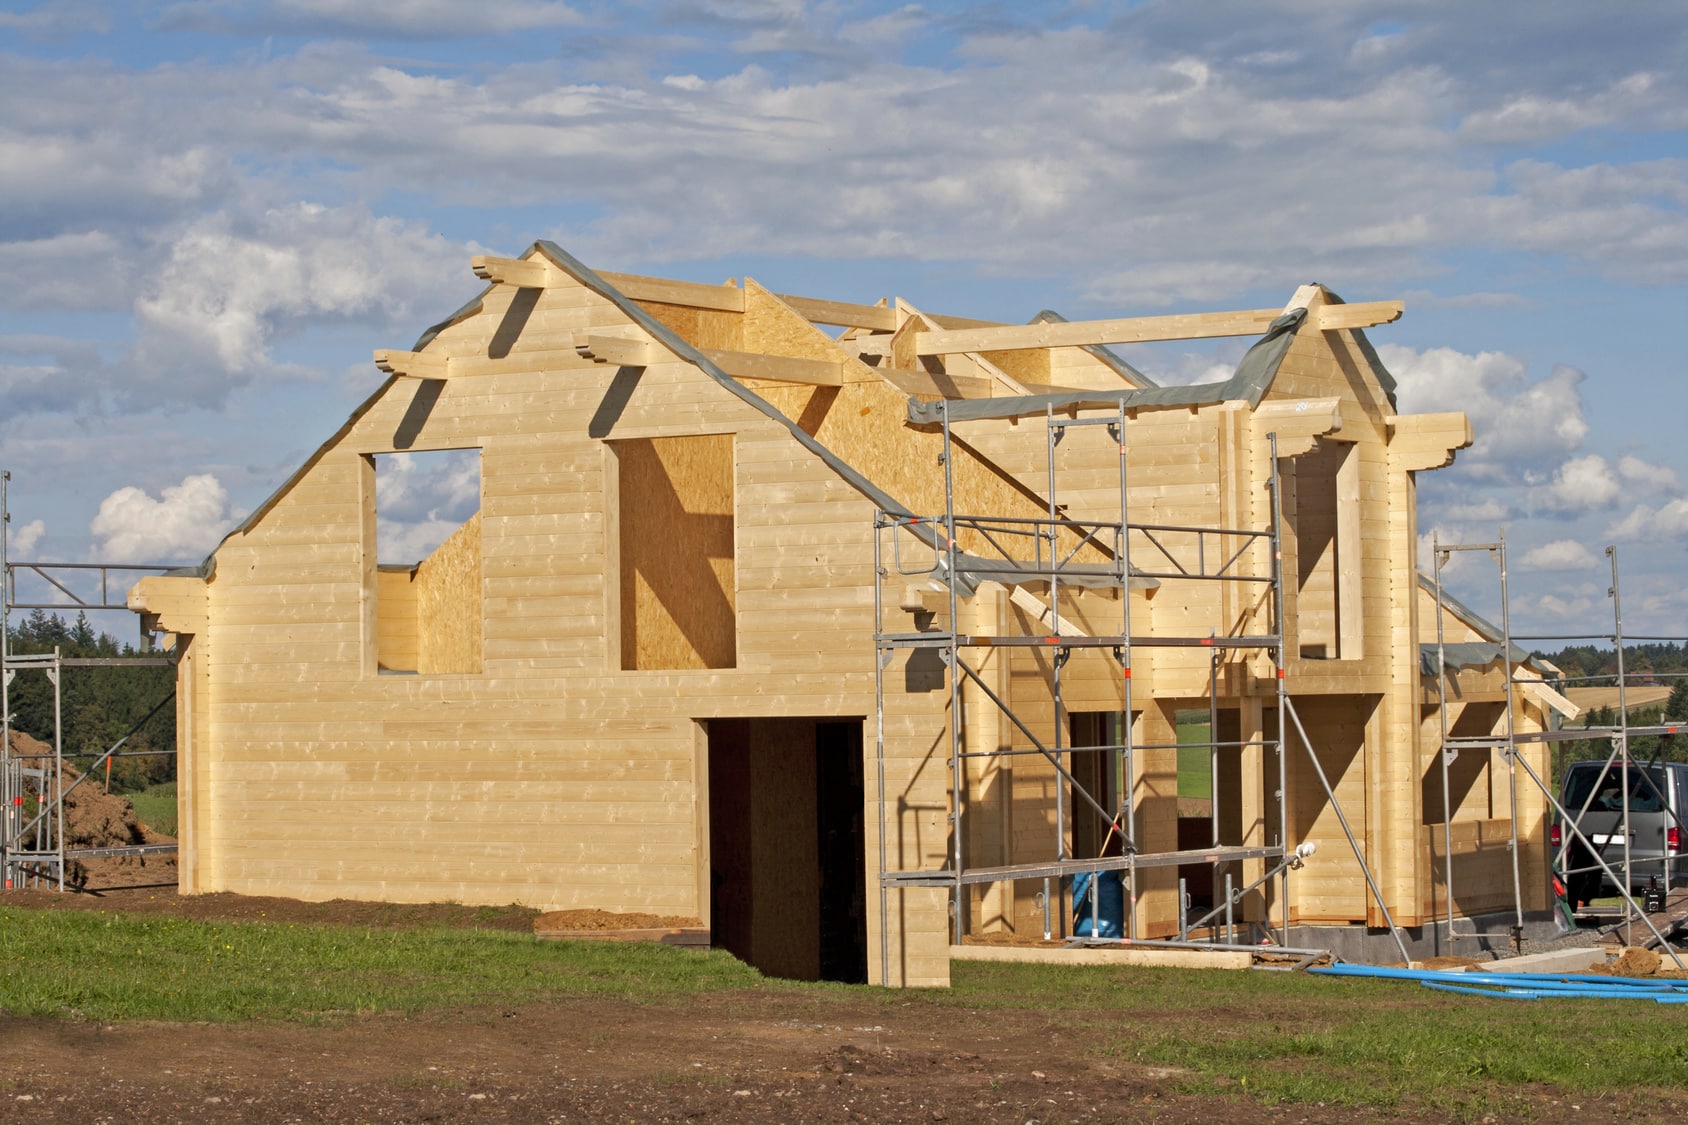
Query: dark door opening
787,875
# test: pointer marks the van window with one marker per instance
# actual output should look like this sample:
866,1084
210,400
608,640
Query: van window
1643,797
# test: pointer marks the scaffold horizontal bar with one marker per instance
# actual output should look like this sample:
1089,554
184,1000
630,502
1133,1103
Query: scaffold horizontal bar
1582,734
121,850
1052,640
1003,752
1061,867
116,661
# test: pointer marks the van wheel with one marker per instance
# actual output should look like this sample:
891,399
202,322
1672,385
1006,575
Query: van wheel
1582,890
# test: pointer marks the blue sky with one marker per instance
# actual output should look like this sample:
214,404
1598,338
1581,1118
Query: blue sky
212,211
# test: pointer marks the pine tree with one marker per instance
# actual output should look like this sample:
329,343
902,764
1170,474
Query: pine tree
1676,707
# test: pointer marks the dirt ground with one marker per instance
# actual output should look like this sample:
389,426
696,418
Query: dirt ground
826,1056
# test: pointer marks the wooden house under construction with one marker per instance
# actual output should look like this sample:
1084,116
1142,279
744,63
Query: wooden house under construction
856,645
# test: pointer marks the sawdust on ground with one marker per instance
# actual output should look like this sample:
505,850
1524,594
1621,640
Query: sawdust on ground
605,920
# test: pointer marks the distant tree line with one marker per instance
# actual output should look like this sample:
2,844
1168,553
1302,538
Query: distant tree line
1592,665
98,705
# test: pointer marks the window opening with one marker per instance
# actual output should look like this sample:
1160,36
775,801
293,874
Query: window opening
427,582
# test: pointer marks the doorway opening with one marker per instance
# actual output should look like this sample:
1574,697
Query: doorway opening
788,881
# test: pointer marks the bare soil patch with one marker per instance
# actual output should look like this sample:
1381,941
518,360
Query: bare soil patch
260,908
756,1056
605,920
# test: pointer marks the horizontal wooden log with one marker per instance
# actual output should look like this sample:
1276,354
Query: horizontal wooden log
784,369
1134,330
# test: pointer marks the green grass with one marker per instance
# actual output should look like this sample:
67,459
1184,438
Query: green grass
1270,1037
156,806
1194,766
108,967
1282,1037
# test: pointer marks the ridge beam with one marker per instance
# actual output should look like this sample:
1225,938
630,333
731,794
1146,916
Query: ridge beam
518,272
1143,329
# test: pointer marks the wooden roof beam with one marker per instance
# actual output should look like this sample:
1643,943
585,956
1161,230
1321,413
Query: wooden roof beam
1136,330
842,313
536,274
515,271
417,365
619,350
780,369
1427,441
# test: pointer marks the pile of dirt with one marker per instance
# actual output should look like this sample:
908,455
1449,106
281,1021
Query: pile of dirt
223,906
1634,961
605,920
94,818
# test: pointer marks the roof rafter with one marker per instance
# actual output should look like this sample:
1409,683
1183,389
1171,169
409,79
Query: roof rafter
1136,330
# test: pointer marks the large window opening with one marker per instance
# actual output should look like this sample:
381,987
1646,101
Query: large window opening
425,522
678,591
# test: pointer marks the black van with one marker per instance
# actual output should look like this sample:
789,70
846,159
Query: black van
1593,795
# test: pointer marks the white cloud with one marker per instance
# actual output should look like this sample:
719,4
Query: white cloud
230,288
1484,510
420,19
421,498
1667,521
183,524
1149,160
1558,607
1660,477
1581,484
22,541
1561,554
88,269
1513,418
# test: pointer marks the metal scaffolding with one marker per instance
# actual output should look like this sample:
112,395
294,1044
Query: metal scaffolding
1508,741
34,850
953,553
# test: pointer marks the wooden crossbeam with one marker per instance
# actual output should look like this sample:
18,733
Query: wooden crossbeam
536,274
842,313
513,271
1136,330
417,365
754,365
1427,441
1366,314
618,350
934,383
1041,613
692,294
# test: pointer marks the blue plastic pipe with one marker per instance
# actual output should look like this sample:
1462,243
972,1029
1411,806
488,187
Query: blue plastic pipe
1524,986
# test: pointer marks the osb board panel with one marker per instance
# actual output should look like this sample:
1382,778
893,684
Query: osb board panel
448,604
701,328
678,591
